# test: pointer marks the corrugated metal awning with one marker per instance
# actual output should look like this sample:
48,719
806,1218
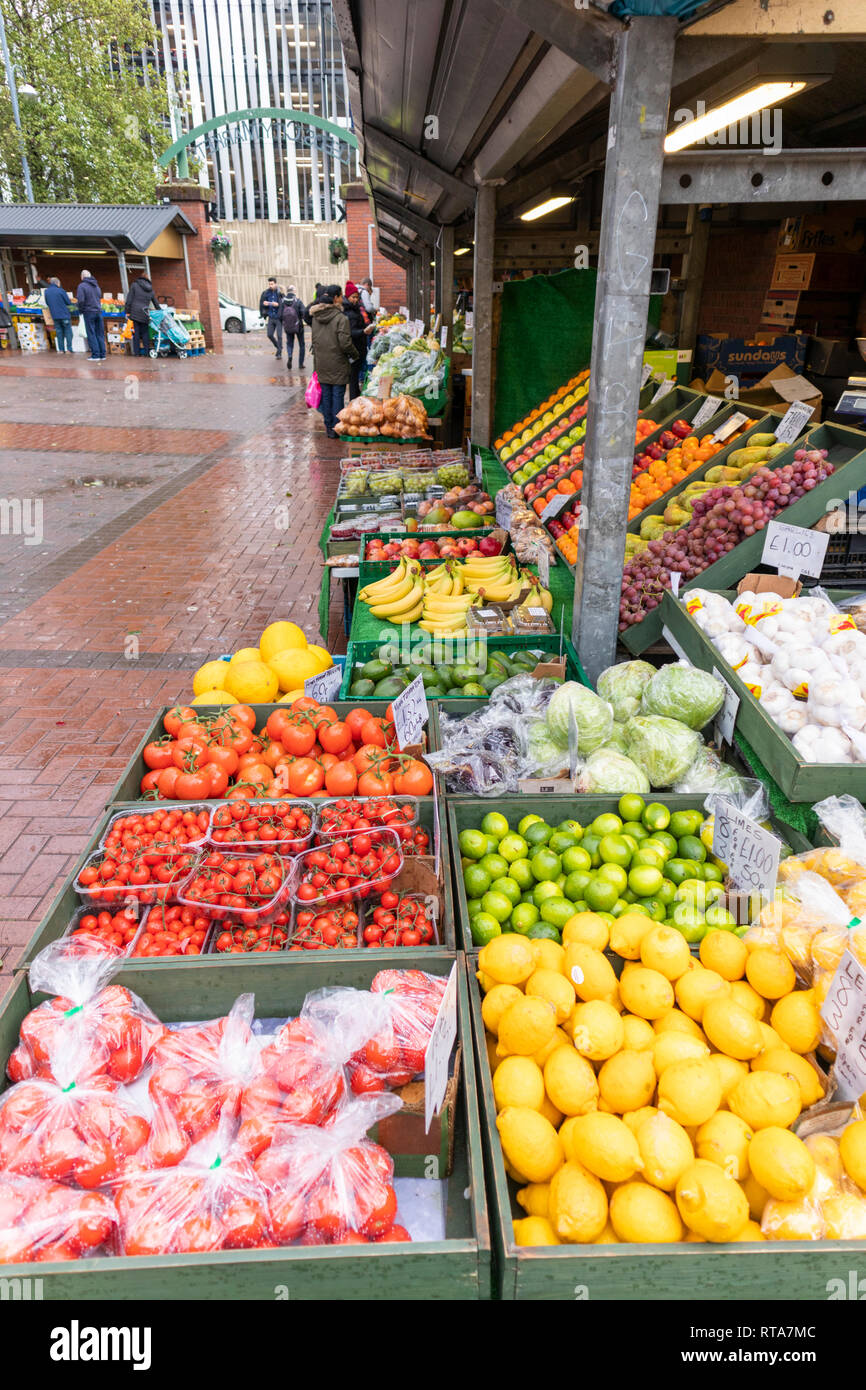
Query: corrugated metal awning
127,226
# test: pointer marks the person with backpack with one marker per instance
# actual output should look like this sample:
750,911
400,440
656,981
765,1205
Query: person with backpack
292,311
140,300
269,308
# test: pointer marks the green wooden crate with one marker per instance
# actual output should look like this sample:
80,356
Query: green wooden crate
560,414
360,652
799,780
759,1270
458,1267
847,447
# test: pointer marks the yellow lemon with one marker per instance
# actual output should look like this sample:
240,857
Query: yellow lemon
245,654
644,1215
635,1118
724,1139
535,1230
252,682
548,955
770,972
690,1091
293,666
607,1237
560,1039
828,1164
770,1038
844,1217
627,1081
587,928
756,1196
764,1098
678,1022
485,981
555,989
291,696
214,697
578,1204
324,658
507,959
852,1150
676,1047
725,953
535,1198
731,1029
666,1150
710,1203
211,676
781,1163
797,1021
638,1033
490,1046
748,998
550,1112
279,637
801,1220
751,1231
696,988
570,1082
530,1143
788,1063
495,1002
606,1146
666,950
525,1026
729,1070
589,971
518,1081
627,932
597,1030
646,993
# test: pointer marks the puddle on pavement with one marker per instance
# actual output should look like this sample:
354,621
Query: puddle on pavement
124,482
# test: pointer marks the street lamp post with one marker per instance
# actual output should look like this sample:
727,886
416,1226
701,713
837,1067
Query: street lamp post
13,94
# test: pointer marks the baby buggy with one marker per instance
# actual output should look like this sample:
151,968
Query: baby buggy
170,333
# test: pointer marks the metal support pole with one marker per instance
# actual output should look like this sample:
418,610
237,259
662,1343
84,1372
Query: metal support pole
694,265
425,278
13,97
121,265
445,304
636,129
482,315
13,335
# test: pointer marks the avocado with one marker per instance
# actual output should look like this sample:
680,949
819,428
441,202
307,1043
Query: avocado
473,691
495,667
464,672
361,688
414,668
389,687
375,671
430,677
506,662
491,680
445,674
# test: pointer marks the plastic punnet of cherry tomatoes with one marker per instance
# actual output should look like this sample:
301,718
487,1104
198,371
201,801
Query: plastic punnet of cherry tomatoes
332,1185
173,929
250,886
344,814
114,929
397,1051
91,1026
407,919
150,877
356,865
285,826
44,1220
239,938
132,834
335,927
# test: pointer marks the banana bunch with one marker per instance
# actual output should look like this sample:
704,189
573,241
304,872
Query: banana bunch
446,580
399,597
539,597
492,578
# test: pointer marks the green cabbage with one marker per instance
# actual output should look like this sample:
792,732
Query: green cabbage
617,741
664,748
622,686
681,691
612,772
544,756
592,715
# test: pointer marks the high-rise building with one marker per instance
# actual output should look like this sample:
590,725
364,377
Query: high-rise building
230,55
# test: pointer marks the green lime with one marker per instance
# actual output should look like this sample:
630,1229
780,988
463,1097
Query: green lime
692,931
635,830
656,816
495,865
476,880
678,870
498,906
526,822
601,896
621,906
655,907
543,891
658,847
580,905
572,827
638,907
718,916
631,806
690,847
538,834
562,840
606,824
557,911
524,917
473,905
543,931
711,873
661,837
590,843
615,874
576,857
492,844
513,847
667,892
647,856
645,880
685,823
507,887
484,928
521,871
633,844
628,895
615,849
472,843
545,865
687,914
576,883
495,824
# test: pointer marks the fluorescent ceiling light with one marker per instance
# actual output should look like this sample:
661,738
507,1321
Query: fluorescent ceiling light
462,250
719,117
549,205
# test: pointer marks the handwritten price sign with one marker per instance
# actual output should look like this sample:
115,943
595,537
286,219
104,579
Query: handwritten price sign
844,1012
410,713
751,853
794,550
325,686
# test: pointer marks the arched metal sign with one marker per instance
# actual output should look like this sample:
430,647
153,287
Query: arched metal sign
249,115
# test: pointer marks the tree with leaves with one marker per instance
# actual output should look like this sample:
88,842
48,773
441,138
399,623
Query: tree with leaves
100,118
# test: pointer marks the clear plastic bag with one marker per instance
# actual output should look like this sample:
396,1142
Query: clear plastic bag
104,1027
397,1050
684,692
808,915
42,1220
749,798
664,748
332,1185
709,774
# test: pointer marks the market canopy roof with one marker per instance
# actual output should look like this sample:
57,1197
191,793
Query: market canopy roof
127,226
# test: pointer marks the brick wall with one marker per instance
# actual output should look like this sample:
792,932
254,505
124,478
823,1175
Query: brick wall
390,279
737,279
202,268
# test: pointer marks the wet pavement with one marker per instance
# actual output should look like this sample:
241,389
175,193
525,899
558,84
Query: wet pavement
142,531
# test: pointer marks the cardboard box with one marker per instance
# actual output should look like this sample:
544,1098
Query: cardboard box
833,357
836,230
770,584
747,358
818,272
780,387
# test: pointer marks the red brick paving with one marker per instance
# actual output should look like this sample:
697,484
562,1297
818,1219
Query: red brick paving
200,575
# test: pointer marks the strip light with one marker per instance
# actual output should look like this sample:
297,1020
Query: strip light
746,104
549,205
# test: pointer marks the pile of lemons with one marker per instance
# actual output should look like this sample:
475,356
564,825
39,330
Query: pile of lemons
657,1107
282,661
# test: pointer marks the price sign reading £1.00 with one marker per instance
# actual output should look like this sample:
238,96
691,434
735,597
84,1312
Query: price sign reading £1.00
325,686
794,550
751,854
410,713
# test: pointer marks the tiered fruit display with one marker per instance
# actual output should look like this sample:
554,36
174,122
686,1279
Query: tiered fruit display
458,678
282,661
461,509
439,600
648,861
449,547
512,439
566,463
721,519
549,446
656,1106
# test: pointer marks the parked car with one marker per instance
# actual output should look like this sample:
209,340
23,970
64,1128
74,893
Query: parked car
235,318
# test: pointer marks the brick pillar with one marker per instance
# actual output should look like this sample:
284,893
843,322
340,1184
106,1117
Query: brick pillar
202,297
390,279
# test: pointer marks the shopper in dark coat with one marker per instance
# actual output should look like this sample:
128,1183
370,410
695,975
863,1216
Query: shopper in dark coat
333,353
269,308
360,327
292,312
140,299
89,300
60,308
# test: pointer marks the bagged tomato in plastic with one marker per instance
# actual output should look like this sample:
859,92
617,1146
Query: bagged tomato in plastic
215,1202
301,1077
41,1220
112,1030
330,1185
198,1076
396,1052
